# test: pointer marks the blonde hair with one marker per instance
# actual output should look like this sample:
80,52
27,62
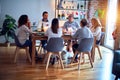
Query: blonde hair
96,23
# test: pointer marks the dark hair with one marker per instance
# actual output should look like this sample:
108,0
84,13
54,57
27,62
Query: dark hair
83,22
22,20
55,25
45,12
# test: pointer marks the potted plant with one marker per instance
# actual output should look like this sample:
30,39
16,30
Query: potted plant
8,27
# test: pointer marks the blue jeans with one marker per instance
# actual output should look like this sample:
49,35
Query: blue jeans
28,43
75,46
44,43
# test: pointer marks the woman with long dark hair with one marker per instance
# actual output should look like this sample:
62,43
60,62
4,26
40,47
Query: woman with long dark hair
24,31
54,30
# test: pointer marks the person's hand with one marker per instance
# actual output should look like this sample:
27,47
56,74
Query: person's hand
29,25
114,35
64,31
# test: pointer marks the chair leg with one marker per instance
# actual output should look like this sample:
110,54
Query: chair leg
48,60
79,61
93,53
45,58
74,57
99,52
83,58
39,48
90,59
61,62
116,78
16,50
27,53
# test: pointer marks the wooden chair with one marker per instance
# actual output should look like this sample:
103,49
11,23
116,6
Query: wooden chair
54,46
85,47
18,47
97,45
40,48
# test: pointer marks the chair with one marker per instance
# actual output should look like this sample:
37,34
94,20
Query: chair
85,47
54,46
116,64
40,48
18,47
97,45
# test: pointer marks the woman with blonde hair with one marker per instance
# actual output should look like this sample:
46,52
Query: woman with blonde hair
96,29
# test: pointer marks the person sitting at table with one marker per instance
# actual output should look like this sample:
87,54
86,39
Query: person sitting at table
54,31
96,29
45,23
83,32
24,31
70,25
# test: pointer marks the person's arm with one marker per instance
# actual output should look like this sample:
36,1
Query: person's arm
60,31
65,26
77,26
97,31
46,33
76,34
27,29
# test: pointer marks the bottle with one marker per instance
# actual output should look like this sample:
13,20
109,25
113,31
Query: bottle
42,28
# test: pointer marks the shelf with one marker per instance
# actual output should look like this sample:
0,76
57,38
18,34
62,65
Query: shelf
74,9
78,8
67,19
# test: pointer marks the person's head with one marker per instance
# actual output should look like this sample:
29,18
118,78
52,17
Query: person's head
71,18
95,22
23,20
45,15
83,23
55,25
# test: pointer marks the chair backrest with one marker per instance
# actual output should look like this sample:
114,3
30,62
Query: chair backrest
16,40
55,44
85,45
116,63
101,37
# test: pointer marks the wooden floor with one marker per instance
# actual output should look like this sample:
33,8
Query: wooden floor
23,70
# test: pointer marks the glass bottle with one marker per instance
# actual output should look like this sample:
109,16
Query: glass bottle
42,28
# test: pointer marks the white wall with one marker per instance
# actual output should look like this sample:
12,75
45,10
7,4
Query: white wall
0,7
33,8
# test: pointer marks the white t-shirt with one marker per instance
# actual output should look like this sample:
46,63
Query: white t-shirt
97,32
46,25
50,34
23,33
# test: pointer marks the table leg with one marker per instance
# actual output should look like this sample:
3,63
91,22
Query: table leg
33,52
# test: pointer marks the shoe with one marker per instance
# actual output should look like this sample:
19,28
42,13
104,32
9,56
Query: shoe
53,61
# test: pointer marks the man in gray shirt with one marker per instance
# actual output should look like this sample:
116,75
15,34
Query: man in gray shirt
70,24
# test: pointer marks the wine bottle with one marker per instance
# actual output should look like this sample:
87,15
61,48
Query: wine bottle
42,28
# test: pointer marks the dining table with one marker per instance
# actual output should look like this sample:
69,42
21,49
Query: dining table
41,36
